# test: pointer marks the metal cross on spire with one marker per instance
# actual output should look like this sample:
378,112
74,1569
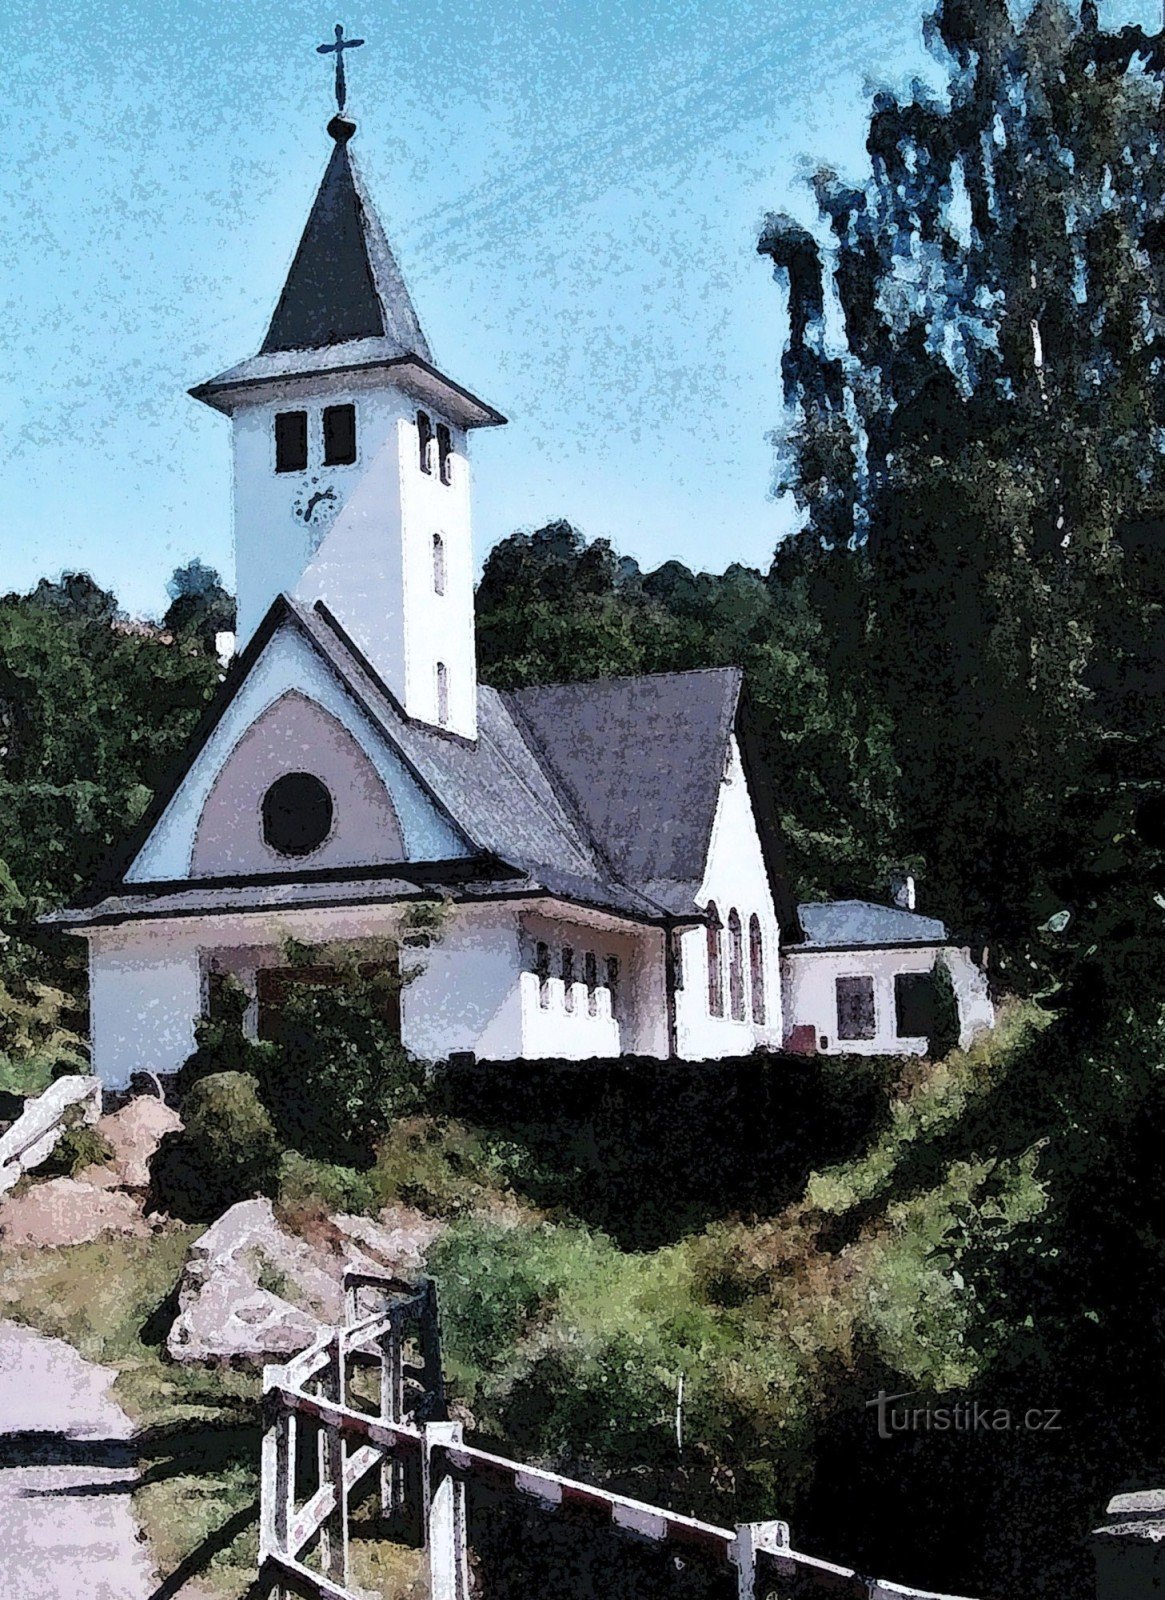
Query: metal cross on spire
337,50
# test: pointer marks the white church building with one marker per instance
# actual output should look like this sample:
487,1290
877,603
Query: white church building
610,867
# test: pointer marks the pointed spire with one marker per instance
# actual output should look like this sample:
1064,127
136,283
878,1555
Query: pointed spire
344,282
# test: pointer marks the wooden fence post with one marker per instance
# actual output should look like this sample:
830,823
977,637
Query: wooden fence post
332,1458
751,1537
392,1405
446,1534
277,1474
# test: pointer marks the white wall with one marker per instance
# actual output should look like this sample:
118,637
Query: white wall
468,996
811,997
145,991
367,553
290,663
735,878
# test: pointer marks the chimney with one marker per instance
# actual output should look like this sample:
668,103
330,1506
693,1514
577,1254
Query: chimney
902,890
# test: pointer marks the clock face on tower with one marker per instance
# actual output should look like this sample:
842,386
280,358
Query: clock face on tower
315,504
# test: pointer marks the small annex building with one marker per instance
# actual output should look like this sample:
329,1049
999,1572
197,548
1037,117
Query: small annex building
611,870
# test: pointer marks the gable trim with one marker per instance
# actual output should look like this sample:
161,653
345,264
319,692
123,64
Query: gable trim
281,610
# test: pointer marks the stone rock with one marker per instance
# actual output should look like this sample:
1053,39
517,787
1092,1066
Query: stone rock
65,1211
33,1137
252,1291
134,1133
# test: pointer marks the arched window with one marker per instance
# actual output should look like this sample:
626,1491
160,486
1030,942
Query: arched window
756,962
424,440
442,693
444,453
715,963
735,966
438,563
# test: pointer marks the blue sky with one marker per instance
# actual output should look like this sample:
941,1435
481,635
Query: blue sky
573,191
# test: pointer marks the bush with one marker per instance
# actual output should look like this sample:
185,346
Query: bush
337,1076
221,1045
228,1150
944,1034
80,1146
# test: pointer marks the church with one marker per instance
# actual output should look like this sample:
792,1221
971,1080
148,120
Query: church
609,870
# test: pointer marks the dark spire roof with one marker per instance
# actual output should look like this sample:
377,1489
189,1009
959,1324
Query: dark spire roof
345,309
344,282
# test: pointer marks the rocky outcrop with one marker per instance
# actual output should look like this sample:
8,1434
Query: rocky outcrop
33,1137
252,1291
133,1134
64,1211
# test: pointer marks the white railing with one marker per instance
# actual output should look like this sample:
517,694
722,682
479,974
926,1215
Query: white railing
566,1021
426,1465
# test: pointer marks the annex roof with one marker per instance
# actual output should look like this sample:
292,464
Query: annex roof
640,761
853,924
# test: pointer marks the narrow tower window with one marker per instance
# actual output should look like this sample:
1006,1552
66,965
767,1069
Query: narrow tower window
715,964
290,441
756,956
735,966
438,564
339,436
442,694
444,453
424,439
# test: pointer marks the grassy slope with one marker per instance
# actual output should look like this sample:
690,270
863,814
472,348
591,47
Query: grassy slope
569,1348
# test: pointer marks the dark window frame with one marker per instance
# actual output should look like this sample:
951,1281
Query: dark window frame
914,1001
440,565
424,440
290,441
339,431
756,964
445,453
736,967
715,962
297,814
857,1013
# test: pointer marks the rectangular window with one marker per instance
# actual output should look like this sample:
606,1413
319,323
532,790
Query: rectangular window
424,440
290,441
913,1005
442,693
339,436
444,453
855,1008
613,974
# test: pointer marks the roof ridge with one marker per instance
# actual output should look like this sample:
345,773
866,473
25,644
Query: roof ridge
625,677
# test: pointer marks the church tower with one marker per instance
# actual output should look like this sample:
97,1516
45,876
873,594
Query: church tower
351,472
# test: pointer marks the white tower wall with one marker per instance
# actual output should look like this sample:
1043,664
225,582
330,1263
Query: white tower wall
367,548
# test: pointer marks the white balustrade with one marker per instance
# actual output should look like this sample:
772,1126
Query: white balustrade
571,1022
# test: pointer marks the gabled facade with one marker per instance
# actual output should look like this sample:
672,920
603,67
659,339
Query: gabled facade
613,883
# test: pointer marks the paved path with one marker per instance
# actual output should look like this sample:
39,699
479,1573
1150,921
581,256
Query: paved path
67,1529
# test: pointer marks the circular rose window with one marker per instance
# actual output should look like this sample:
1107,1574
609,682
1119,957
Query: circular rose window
297,814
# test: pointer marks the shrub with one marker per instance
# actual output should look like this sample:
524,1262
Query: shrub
221,1044
944,1033
80,1146
228,1150
338,1076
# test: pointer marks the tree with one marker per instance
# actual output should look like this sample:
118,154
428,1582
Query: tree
974,449
200,607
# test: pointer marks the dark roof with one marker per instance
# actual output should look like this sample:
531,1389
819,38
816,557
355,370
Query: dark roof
344,281
849,924
600,794
640,762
